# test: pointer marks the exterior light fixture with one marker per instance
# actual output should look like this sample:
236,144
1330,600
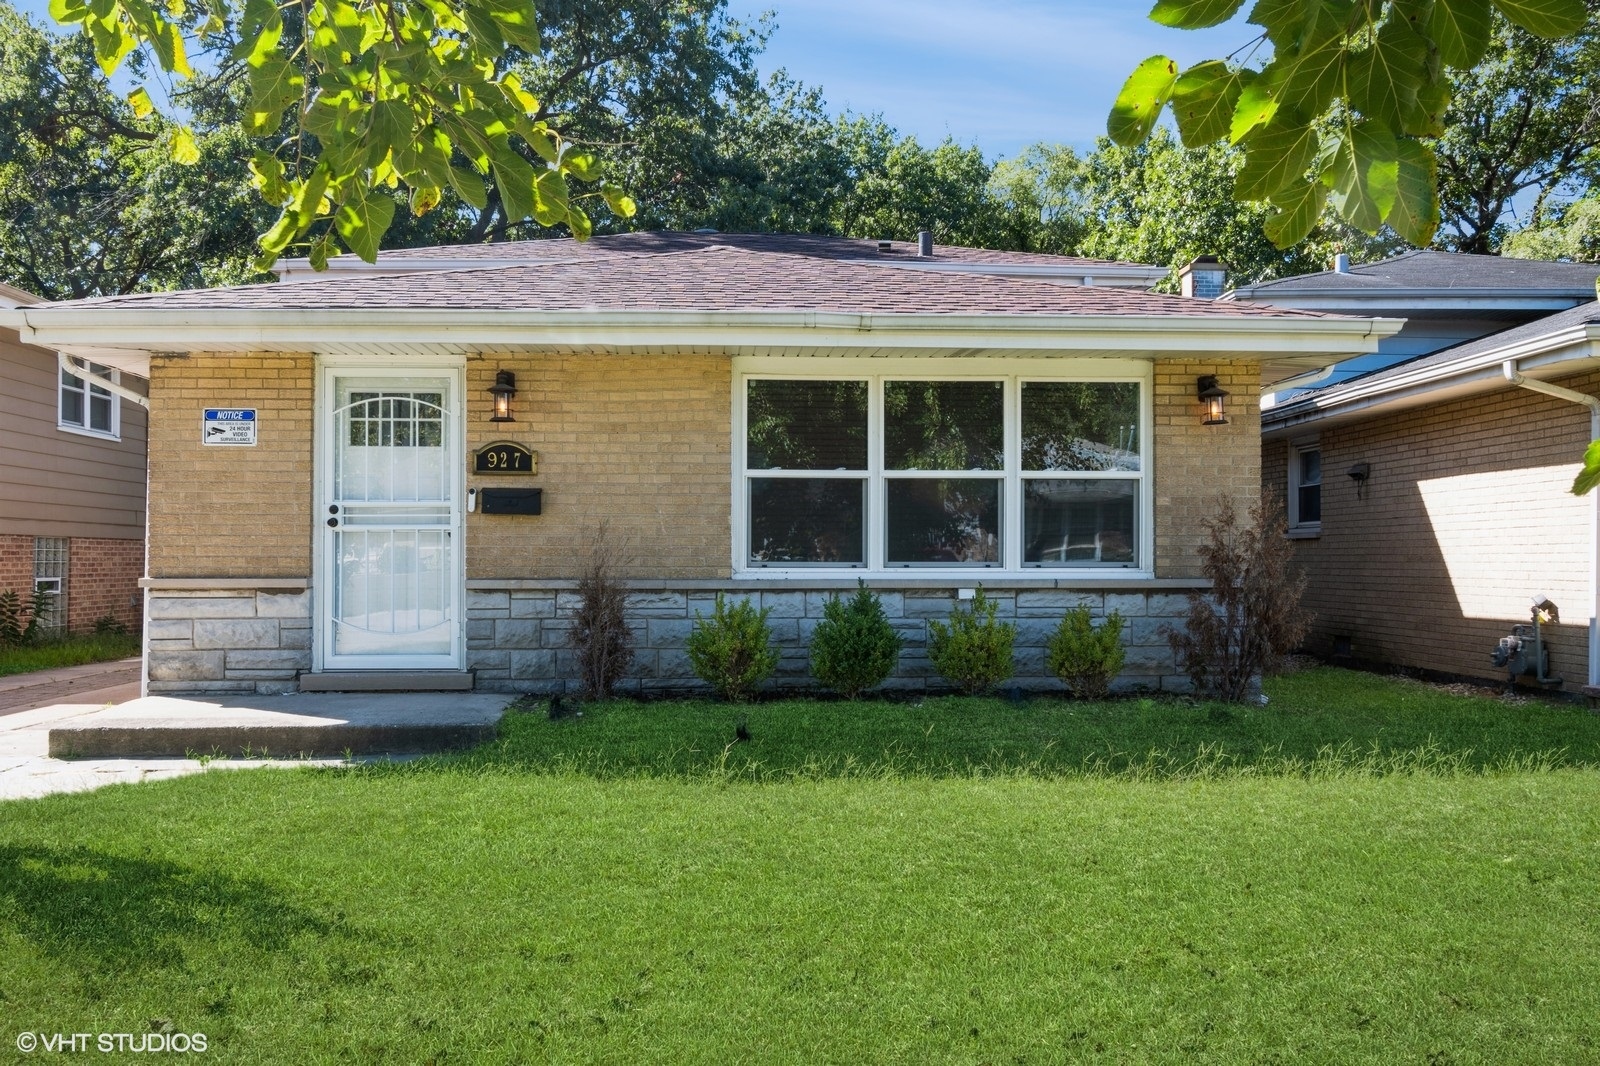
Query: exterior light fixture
1212,395
504,387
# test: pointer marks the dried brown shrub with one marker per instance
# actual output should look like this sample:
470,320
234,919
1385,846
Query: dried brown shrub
600,633
1252,617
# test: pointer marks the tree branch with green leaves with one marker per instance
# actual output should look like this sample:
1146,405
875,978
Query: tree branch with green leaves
1342,108
373,96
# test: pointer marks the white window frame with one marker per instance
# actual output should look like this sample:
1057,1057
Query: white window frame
1013,372
1298,528
87,390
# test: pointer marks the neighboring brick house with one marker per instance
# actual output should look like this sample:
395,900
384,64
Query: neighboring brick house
768,416
1445,298
1430,502
72,483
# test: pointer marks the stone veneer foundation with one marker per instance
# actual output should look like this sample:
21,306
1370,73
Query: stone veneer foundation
239,639
258,640
517,631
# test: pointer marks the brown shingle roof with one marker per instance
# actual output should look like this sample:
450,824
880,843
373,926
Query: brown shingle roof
713,279
810,245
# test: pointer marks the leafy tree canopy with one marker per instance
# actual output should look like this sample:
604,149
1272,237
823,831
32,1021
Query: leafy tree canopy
1523,124
90,202
1340,109
418,95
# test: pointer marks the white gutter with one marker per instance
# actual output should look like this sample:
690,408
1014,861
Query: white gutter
1509,368
1301,381
1363,396
167,329
69,367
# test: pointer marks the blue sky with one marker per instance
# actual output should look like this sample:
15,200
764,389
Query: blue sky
999,73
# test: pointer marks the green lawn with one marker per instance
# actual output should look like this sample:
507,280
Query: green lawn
956,881
69,651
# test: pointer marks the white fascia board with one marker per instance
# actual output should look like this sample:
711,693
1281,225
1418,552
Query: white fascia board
1557,351
136,329
10,296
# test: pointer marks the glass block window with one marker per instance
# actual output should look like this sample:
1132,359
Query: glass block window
50,556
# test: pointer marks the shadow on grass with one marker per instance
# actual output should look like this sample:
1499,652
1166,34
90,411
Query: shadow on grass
110,913
1320,722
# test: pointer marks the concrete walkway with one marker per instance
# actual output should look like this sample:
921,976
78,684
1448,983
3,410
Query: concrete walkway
95,683
117,723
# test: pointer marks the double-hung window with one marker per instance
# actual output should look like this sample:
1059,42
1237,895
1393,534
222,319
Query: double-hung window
87,408
1305,489
904,471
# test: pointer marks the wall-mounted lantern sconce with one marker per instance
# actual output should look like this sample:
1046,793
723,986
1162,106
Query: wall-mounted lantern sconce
503,389
1213,395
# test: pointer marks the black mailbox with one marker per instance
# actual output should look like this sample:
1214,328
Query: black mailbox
509,501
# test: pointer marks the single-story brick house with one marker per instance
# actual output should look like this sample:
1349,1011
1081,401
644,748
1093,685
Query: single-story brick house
1430,502
333,456
72,474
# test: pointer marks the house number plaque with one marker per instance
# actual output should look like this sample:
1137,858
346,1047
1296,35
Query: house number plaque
504,457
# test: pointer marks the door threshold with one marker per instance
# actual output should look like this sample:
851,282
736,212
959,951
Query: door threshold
387,681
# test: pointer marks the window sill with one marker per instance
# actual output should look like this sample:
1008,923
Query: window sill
1304,532
79,431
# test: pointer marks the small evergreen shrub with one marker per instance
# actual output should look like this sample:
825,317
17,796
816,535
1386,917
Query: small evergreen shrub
1252,616
732,650
19,623
107,625
974,649
1087,658
854,647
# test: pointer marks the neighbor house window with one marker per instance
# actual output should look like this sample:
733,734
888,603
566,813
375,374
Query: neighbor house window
86,408
1305,488
893,472
50,556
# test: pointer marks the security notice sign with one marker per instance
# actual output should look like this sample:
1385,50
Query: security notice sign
229,425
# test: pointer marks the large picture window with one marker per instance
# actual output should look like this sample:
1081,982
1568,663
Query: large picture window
902,471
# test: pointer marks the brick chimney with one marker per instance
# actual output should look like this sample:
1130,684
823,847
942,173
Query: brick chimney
1205,277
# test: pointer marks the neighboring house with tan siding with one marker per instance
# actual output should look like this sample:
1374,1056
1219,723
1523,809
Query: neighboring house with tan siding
1430,501
338,500
72,484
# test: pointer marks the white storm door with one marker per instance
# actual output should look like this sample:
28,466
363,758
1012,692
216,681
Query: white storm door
392,527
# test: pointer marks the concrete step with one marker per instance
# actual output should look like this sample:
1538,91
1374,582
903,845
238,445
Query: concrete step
281,727
387,681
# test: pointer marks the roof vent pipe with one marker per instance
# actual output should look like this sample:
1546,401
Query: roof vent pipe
1341,263
925,244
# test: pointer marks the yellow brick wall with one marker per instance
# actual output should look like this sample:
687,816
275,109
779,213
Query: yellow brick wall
638,441
1465,515
231,512
1196,465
